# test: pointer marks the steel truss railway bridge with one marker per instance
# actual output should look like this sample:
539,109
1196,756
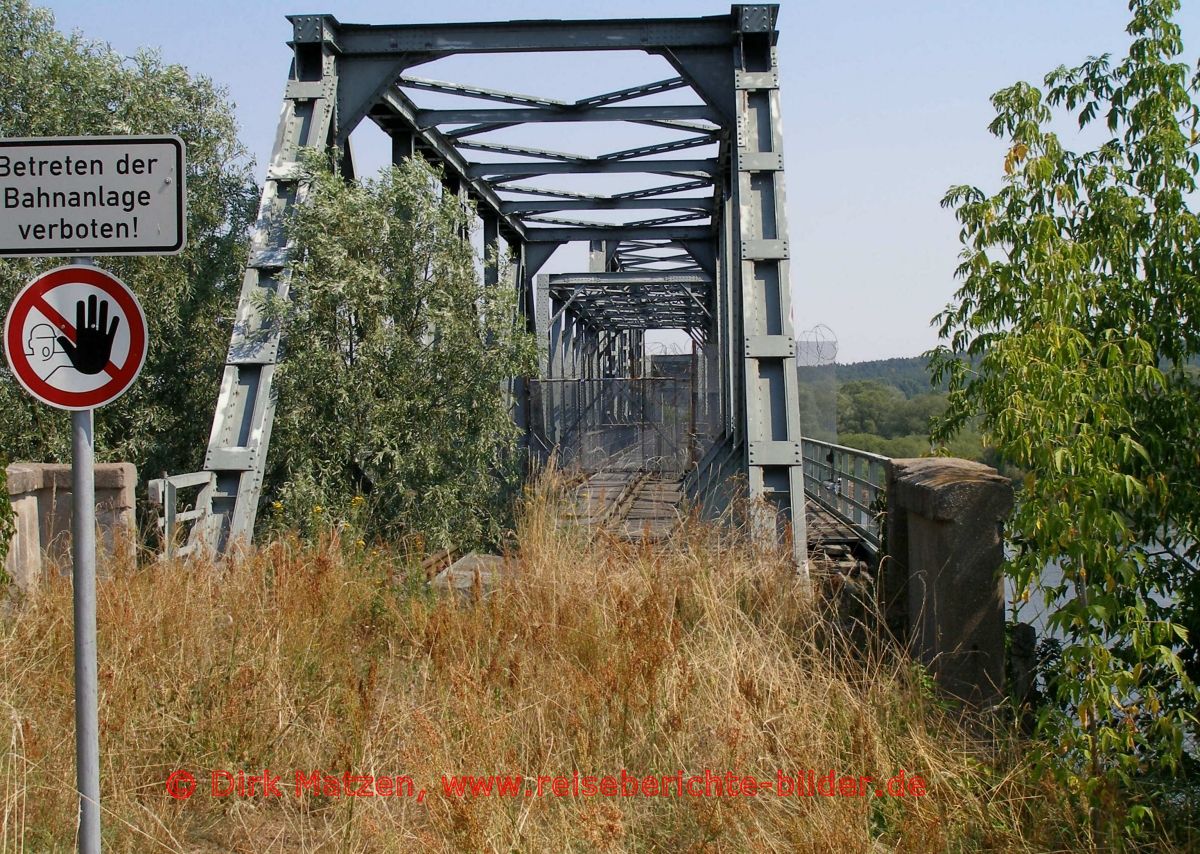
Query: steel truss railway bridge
685,230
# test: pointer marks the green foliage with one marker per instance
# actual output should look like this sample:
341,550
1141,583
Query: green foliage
886,406
818,397
865,406
896,446
868,406
1069,339
396,357
909,374
876,417
55,85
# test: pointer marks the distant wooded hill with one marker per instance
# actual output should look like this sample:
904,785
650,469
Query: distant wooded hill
910,374
884,406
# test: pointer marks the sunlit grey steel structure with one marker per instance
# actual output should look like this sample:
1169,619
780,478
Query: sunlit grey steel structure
713,260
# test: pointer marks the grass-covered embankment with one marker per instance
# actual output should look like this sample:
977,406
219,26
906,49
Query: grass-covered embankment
600,657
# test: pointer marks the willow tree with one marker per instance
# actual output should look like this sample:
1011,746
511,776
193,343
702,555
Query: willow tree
1080,299
395,357
53,84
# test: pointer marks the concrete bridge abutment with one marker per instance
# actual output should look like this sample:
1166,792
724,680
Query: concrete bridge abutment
41,499
942,585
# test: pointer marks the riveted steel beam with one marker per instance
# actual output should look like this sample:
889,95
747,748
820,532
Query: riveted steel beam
757,263
525,36
617,232
396,112
462,116
480,92
235,459
662,191
520,150
627,279
609,203
707,166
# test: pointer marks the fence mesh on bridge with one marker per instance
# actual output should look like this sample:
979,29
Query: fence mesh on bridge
622,424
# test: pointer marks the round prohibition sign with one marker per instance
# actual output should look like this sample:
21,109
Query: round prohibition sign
75,337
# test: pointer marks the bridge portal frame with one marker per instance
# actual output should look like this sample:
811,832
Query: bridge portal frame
731,241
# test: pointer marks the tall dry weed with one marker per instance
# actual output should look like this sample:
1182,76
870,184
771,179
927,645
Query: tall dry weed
598,655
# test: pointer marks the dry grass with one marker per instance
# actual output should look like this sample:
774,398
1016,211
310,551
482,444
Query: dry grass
600,657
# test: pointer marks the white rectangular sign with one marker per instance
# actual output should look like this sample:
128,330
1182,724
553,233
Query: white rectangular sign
92,195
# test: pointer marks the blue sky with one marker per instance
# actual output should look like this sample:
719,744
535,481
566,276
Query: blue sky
885,106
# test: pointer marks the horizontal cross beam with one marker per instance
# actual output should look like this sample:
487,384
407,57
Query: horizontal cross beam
522,150
619,232
659,147
548,191
480,92
515,36
546,205
633,92
627,279
483,93
640,258
643,308
614,297
707,166
398,108
662,191
433,118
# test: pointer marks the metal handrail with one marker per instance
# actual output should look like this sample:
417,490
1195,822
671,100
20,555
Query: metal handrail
848,483
163,492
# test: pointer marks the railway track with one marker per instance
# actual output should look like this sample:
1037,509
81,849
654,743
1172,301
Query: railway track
646,506
634,505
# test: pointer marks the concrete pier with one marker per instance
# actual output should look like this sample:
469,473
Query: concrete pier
42,503
941,582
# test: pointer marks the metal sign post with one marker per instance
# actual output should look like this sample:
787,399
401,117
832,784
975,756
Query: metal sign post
78,366
83,551
83,556
75,337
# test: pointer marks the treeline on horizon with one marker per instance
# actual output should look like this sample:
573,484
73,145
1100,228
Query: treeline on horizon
883,406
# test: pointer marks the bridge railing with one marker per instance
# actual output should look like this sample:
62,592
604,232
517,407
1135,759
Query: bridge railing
849,483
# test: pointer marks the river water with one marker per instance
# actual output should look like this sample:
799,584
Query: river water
1035,611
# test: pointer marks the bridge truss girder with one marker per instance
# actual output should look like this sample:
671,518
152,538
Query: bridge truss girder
713,262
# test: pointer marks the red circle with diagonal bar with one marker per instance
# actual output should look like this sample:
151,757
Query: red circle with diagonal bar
37,325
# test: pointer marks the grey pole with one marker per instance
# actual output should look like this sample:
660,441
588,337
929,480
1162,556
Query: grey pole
87,733
83,548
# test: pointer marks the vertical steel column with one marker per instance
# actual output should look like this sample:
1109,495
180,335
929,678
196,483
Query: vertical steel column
520,385
552,392
241,429
533,304
403,146
729,328
564,370
569,346
491,248
775,465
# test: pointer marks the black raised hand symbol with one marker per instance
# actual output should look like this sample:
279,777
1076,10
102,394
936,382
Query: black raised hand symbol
93,341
